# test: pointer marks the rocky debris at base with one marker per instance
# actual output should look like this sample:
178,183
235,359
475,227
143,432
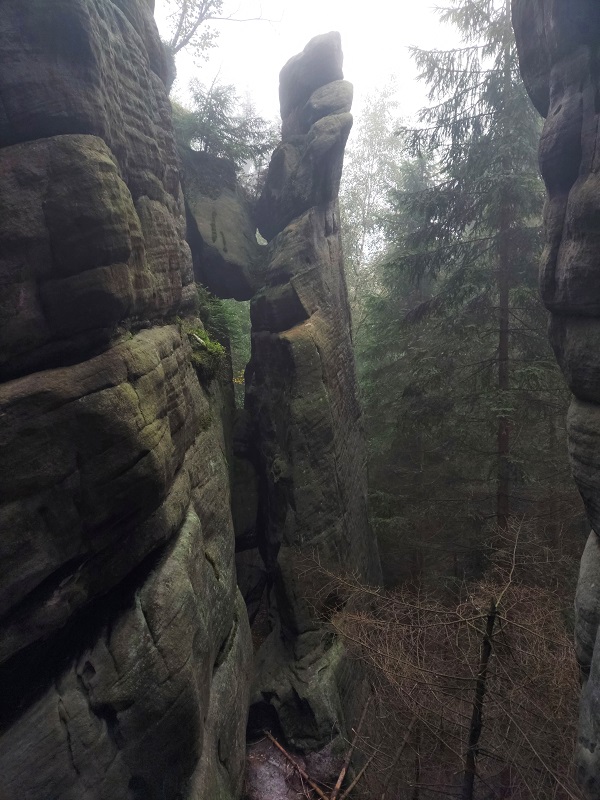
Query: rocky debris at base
271,776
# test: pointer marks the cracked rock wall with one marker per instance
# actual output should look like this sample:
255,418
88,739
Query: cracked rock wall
124,645
301,395
559,49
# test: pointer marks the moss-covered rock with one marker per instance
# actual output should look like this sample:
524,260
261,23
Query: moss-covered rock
124,645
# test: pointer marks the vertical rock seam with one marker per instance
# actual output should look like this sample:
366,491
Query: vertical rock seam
124,643
559,51
301,395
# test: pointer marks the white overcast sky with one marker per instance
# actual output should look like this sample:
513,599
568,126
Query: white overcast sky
375,38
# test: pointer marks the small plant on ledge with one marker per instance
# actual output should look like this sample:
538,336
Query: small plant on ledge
207,354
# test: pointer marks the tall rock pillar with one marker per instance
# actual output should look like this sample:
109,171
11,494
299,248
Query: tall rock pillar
559,49
302,396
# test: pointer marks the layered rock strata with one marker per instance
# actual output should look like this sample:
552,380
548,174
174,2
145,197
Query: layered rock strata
124,644
559,49
301,394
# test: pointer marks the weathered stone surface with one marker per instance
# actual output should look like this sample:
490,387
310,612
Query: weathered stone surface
331,99
587,609
584,429
124,643
251,572
301,394
576,342
269,776
304,172
319,64
306,169
90,67
79,258
152,708
221,227
93,455
558,45
307,681
530,32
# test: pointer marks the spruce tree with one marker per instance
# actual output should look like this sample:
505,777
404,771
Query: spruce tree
489,208
456,333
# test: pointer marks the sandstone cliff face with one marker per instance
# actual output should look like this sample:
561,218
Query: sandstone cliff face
302,399
124,641
124,644
559,48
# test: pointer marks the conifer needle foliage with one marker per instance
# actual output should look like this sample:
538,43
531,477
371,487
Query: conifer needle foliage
464,403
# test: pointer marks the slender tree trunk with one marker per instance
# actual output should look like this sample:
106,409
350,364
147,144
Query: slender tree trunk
476,726
553,527
503,494
391,771
503,446
417,779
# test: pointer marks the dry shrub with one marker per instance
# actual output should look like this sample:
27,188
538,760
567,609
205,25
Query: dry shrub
423,659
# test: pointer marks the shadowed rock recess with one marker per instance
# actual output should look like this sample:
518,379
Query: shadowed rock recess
559,49
125,651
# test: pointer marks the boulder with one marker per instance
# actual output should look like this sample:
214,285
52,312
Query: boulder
221,227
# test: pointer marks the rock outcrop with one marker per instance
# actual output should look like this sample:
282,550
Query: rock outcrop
559,49
221,227
124,643
301,395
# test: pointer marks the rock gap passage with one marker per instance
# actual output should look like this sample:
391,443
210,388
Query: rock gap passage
125,647
191,601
